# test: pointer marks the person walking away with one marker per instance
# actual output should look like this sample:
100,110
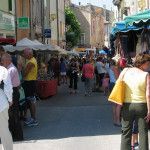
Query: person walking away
73,67
136,104
88,74
63,70
5,101
56,69
101,71
14,117
29,85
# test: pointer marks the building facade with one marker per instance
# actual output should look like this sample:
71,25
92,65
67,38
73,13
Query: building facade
23,15
57,21
46,20
7,19
127,8
109,19
91,19
30,20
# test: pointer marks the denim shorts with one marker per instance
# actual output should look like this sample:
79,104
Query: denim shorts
31,99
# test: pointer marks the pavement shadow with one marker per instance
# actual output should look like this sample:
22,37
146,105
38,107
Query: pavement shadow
66,115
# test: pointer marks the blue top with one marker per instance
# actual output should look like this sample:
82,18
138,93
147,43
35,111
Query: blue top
63,67
111,74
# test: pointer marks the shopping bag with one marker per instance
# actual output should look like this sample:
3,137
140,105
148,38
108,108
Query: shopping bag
22,96
118,93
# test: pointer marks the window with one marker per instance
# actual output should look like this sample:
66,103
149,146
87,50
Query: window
61,28
10,5
82,39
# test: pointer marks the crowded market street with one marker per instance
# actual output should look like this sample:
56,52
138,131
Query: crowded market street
72,122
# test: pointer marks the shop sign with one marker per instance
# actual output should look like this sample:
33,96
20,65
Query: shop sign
23,23
7,21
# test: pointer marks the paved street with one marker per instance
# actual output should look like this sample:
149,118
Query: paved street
72,122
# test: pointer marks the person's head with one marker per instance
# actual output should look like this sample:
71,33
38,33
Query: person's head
6,60
142,61
28,53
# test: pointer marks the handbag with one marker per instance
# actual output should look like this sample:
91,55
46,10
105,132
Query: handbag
22,96
118,93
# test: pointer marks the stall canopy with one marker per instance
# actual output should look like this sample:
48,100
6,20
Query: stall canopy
60,50
139,19
10,41
121,27
102,52
26,43
73,53
134,22
35,45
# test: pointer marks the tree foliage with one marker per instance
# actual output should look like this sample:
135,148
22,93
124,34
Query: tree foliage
73,30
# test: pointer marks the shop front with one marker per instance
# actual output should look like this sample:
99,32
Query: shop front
132,35
7,28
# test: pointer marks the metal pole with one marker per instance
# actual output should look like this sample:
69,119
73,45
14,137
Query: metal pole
31,17
16,29
57,22
42,20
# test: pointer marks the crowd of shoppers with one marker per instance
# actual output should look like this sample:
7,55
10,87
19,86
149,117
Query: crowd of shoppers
12,78
98,74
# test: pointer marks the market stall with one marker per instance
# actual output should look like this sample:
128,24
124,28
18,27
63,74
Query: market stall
46,82
132,35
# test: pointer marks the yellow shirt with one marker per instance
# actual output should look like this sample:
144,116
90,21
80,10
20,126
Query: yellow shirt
135,81
32,75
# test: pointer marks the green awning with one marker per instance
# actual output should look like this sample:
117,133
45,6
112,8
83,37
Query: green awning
139,19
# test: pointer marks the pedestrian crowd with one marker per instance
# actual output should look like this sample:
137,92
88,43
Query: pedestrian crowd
14,101
100,74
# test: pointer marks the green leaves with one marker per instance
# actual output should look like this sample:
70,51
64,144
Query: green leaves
73,30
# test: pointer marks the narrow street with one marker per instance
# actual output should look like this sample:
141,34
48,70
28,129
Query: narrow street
72,122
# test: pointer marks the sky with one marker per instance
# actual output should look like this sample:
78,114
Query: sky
100,3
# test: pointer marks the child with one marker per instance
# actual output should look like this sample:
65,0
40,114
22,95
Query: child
105,84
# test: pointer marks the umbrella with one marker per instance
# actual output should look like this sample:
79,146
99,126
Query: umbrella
102,52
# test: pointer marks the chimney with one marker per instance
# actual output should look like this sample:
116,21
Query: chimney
79,3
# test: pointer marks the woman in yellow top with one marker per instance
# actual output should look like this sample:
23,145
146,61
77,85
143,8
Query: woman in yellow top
137,102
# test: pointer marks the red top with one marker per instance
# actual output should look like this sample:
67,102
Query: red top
88,71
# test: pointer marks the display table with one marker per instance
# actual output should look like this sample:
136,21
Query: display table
46,88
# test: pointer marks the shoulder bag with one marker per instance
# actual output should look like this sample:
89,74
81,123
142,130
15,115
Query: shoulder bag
118,93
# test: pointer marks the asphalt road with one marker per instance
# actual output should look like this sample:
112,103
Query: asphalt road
72,122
